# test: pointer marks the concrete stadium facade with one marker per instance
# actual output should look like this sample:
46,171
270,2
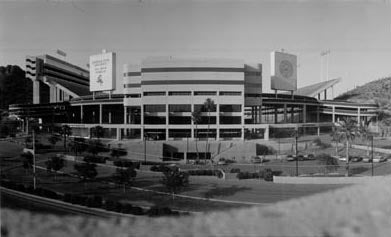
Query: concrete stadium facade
160,95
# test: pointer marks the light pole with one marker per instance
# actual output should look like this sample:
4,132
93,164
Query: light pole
297,158
34,174
372,153
324,53
145,148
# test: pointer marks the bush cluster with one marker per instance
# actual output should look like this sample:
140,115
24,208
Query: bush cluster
30,189
202,172
95,159
126,163
92,201
159,168
266,174
235,170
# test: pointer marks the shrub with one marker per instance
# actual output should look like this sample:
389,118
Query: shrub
111,205
330,163
262,150
137,211
235,170
159,211
127,208
159,168
268,175
67,197
94,201
123,163
94,159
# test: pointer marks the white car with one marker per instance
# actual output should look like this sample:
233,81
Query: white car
378,159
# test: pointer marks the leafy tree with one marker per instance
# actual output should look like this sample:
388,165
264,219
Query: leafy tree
78,145
125,176
86,170
55,163
65,131
53,139
347,130
27,159
209,105
174,180
365,134
330,163
196,117
94,147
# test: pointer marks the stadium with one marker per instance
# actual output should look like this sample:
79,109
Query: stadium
162,95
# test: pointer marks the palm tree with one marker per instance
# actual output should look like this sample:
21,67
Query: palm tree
365,134
209,105
348,130
383,117
66,131
196,117
98,132
336,138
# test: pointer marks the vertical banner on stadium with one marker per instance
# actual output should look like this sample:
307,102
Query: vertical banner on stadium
102,72
283,71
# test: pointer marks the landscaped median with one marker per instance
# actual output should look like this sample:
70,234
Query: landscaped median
324,180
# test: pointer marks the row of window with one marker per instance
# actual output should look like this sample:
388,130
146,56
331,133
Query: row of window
187,120
175,108
186,93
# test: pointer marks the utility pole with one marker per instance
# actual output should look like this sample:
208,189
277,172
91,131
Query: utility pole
34,174
145,149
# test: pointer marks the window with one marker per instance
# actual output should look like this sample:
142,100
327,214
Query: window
203,109
230,120
154,108
230,108
179,108
227,133
133,96
204,93
179,93
179,120
155,93
230,93
154,120
252,95
179,133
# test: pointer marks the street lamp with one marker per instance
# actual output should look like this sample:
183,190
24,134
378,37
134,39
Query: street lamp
324,53
296,156
372,153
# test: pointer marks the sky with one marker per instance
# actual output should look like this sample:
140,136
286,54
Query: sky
357,33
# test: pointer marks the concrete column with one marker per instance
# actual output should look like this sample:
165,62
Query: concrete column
358,116
285,115
304,113
125,117
317,114
333,114
109,117
275,115
100,113
167,121
266,133
81,113
36,90
318,131
217,122
118,134
53,94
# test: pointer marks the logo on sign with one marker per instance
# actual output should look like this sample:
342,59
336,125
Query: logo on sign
99,80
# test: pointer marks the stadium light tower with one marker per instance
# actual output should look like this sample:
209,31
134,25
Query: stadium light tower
322,54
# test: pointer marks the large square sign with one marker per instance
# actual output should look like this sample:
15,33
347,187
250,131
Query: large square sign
283,71
102,72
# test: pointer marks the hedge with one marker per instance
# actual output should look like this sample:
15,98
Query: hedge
266,174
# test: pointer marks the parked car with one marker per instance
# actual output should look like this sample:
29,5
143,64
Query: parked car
293,157
341,158
356,159
378,159
221,161
258,159
309,157
367,159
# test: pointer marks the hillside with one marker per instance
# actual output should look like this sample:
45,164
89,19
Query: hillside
378,91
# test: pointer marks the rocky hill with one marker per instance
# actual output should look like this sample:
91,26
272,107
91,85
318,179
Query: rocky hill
378,91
